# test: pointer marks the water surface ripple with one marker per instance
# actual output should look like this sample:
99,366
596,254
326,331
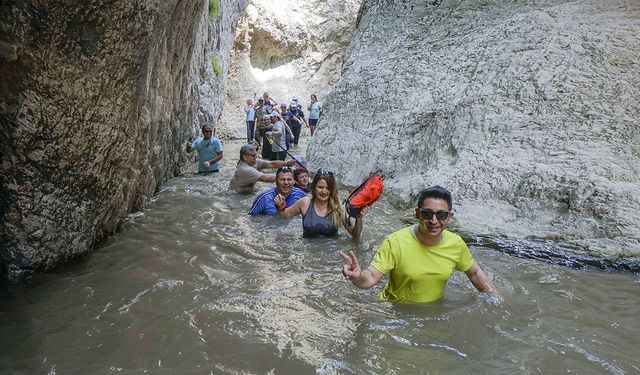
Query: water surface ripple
192,285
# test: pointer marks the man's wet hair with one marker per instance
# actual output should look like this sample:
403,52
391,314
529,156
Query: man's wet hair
437,192
246,149
206,126
283,169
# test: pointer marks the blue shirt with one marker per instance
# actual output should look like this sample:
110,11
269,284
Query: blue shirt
263,202
207,150
314,114
251,113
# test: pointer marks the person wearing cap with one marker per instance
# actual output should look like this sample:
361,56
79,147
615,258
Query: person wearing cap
277,136
248,170
209,150
420,258
295,119
263,202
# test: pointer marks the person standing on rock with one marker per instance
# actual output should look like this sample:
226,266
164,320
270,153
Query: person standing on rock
263,202
315,110
250,112
209,150
421,258
248,170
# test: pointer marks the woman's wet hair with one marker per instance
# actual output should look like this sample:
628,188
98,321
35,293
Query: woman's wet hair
437,192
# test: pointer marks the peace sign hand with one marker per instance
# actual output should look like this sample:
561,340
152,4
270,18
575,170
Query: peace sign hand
351,270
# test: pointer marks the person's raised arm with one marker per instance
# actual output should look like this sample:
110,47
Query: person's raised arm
289,212
363,279
355,227
218,157
479,279
280,163
267,178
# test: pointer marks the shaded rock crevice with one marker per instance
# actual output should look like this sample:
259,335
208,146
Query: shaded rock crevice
96,101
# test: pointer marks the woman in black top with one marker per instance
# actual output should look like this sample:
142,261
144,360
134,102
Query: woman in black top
322,213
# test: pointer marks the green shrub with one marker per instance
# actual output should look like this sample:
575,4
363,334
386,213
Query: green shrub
217,70
214,8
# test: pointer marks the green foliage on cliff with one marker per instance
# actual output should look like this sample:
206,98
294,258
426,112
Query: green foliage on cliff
214,8
217,70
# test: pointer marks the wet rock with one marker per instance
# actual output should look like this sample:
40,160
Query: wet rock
287,48
526,110
96,102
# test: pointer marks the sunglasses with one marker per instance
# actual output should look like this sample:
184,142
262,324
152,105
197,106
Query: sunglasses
322,172
428,214
284,170
207,131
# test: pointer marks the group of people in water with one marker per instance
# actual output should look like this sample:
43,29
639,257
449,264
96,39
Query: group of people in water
274,128
419,259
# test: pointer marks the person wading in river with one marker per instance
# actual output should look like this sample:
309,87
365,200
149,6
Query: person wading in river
209,150
248,170
420,258
301,178
322,213
263,202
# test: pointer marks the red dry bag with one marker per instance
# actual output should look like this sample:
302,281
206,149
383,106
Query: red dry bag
364,195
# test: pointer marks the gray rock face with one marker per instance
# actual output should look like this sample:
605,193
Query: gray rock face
527,110
287,48
96,102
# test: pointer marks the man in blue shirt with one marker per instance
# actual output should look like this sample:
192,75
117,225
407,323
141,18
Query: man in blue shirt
263,202
209,150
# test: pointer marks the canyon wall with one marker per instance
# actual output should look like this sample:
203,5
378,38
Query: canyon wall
96,102
286,48
527,110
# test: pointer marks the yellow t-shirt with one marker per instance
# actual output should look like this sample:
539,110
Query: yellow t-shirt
419,273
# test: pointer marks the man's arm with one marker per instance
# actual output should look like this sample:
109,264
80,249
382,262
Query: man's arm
355,229
295,209
351,271
267,178
480,281
280,163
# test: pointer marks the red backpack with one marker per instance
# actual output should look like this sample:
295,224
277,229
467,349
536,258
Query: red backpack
364,195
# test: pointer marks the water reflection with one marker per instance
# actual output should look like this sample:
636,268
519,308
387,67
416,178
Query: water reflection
192,285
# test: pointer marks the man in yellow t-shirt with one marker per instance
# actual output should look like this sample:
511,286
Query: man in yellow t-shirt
421,258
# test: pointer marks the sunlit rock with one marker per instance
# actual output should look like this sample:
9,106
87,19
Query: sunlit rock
286,48
527,110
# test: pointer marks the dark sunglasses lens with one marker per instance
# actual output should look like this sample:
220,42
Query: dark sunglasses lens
322,172
428,214
441,215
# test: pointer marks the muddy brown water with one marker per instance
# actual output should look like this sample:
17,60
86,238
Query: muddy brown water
192,285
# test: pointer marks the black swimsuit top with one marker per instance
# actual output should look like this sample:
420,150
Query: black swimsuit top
314,225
